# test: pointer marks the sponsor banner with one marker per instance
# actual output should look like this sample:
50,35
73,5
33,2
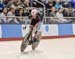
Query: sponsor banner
0,32
65,29
49,30
11,31
25,31
73,29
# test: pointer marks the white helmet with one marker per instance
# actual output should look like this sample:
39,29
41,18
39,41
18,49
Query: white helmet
34,12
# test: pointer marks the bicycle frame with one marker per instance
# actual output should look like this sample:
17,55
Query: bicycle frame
26,41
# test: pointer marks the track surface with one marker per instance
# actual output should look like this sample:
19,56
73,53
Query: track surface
63,48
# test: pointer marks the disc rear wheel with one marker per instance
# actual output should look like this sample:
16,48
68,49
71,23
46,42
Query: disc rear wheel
36,41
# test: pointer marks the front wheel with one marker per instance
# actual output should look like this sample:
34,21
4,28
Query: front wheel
24,43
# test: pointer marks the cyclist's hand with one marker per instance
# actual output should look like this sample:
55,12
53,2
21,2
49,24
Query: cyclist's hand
24,27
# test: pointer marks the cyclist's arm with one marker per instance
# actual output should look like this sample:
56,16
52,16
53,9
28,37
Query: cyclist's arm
30,16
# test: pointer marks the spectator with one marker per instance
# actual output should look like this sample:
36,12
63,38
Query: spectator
27,6
1,6
65,12
67,9
36,4
66,4
19,4
21,19
5,2
70,12
3,15
49,7
26,3
11,13
53,14
61,18
73,3
13,2
58,5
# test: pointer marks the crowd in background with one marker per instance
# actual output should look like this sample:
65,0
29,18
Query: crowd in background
53,8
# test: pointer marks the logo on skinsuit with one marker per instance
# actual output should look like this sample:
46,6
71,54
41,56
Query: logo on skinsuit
47,28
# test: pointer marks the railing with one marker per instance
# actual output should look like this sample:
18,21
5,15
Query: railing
14,20
26,20
61,20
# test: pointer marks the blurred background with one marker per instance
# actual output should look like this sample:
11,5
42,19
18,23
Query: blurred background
53,11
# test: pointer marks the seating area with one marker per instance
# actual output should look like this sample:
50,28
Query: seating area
19,9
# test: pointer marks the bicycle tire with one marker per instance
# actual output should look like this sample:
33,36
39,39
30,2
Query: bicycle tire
36,43
24,43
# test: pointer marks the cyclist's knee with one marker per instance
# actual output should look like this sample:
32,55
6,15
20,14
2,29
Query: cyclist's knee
31,27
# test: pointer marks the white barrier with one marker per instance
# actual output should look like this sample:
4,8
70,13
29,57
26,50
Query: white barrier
0,32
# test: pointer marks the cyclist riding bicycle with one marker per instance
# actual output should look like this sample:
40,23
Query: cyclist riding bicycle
33,36
36,19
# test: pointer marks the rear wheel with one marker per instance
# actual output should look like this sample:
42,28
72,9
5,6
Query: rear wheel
36,41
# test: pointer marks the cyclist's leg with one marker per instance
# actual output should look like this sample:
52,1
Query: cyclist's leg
35,30
38,28
36,40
